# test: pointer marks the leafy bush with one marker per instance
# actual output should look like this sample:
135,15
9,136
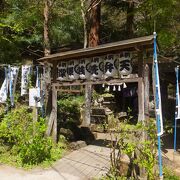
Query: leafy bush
170,175
25,138
69,108
141,152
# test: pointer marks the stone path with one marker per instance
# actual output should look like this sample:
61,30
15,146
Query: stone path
86,163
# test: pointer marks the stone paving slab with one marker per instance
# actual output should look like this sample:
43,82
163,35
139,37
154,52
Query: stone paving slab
83,164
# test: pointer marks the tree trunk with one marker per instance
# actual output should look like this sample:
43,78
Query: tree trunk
85,20
91,39
47,49
130,19
2,4
94,22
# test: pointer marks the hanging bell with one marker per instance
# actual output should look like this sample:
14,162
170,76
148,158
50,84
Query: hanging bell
103,85
108,88
119,88
124,85
114,88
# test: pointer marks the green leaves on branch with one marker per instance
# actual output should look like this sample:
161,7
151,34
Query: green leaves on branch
26,139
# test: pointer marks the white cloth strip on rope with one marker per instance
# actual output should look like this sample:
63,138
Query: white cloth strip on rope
4,88
13,80
26,70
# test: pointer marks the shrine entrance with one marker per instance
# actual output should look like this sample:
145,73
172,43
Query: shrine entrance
121,68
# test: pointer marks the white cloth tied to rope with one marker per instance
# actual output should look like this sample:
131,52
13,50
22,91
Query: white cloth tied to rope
4,87
26,70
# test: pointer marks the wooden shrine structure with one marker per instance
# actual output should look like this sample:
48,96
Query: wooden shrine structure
141,54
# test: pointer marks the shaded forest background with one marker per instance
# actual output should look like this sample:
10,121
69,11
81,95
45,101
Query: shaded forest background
22,24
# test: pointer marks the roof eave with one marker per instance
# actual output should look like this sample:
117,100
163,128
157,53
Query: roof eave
99,50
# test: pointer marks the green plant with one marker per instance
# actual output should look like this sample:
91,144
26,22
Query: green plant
69,108
141,150
170,175
25,138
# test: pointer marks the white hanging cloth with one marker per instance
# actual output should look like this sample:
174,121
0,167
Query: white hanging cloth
26,70
33,96
4,87
13,80
35,93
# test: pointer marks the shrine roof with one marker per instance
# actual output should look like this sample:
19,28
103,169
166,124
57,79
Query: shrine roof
134,44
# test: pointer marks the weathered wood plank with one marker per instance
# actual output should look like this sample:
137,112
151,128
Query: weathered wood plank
141,115
112,81
146,91
54,113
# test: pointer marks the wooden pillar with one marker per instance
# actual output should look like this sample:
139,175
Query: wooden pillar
52,122
88,95
54,113
141,113
143,99
146,91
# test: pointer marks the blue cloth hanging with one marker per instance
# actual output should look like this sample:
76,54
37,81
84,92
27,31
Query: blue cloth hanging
177,111
159,121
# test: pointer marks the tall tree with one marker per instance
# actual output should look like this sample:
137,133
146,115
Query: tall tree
94,22
130,19
91,16
47,46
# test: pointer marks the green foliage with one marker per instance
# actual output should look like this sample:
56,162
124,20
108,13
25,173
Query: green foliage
169,175
25,138
141,152
161,16
69,108
21,27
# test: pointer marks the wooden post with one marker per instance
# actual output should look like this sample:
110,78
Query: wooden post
35,117
88,94
146,91
141,115
143,99
54,113
52,122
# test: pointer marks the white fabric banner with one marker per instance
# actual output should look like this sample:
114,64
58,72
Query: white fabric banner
13,79
26,70
177,113
4,90
34,97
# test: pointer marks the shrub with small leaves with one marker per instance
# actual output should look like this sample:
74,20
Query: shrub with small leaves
25,138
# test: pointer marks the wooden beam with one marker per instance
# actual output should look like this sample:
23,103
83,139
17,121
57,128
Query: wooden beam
69,91
113,81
